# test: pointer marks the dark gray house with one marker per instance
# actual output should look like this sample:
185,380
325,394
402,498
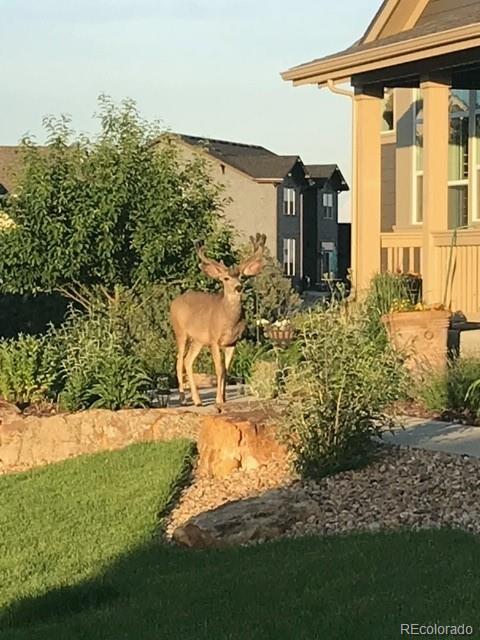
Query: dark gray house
323,253
295,205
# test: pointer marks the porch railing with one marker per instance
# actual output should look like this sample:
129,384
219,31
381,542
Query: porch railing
464,292
401,252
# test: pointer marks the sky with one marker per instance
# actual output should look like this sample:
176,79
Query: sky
202,67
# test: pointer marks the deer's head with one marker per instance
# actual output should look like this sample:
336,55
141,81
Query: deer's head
231,277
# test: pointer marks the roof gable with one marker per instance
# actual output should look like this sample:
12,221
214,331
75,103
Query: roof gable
443,26
394,16
322,174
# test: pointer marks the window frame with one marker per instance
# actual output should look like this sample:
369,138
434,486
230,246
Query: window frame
417,173
466,181
392,131
290,201
472,181
328,208
289,256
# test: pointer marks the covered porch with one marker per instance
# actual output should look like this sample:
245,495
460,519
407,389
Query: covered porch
440,236
436,74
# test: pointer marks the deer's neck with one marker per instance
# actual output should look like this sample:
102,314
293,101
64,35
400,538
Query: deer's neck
232,306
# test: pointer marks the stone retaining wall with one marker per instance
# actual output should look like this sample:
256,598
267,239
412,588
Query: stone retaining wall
240,439
28,442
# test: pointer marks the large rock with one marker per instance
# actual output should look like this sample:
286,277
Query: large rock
230,442
246,521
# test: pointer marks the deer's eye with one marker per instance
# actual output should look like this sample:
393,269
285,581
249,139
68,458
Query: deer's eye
226,279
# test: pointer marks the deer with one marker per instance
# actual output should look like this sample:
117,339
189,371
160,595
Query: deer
200,319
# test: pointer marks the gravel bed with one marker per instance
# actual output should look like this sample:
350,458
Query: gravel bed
400,488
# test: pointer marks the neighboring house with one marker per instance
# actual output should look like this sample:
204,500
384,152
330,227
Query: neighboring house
295,205
10,162
416,113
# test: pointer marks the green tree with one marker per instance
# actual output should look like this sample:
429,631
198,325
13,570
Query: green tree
117,209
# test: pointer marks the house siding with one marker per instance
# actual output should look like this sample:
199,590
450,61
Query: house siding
318,229
251,207
290,226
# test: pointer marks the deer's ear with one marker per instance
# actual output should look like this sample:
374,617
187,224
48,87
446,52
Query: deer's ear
253,268
212,270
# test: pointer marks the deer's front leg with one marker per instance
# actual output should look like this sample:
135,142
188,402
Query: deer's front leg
194,350
220,373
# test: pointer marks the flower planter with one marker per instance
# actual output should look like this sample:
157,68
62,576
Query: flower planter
422,336
281,337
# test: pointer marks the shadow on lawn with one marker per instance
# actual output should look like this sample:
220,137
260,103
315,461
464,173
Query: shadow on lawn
59,603
126,579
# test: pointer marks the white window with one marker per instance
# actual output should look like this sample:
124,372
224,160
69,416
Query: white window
289,256
418,160
463,158
388,113
289,202
459,158
328,205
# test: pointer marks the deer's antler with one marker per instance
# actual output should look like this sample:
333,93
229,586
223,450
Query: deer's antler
209,266
253,264
200,250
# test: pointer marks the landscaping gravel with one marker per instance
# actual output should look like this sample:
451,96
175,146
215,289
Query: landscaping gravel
400,488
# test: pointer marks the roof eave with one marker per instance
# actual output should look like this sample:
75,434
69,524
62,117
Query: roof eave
340,68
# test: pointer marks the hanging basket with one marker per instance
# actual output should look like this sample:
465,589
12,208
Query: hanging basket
280,337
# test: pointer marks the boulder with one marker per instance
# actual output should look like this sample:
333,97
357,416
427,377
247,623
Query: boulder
247,521
227,443
8,411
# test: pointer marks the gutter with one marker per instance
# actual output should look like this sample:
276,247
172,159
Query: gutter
340,66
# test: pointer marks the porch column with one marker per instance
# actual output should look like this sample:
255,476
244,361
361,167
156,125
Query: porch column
435,178
367,112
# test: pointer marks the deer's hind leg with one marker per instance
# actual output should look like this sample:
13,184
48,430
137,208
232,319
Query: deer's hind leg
181,348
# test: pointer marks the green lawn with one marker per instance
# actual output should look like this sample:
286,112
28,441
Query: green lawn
77,560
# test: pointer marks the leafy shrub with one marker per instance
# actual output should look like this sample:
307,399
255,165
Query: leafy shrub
384,290
268,296
120,208
120,382
99,367
28,369
454,391
264,379
337,395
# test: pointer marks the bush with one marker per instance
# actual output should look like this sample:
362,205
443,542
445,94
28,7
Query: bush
269,296
454,391
264,379
121,208
384,290
99,364
29,369
337,395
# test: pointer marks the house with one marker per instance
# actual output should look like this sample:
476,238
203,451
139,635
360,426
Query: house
415,74
294,204
10,163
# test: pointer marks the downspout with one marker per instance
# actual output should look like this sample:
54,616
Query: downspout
354,244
